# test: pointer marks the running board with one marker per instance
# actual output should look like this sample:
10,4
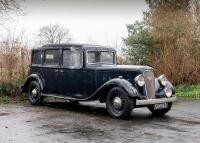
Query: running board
62,97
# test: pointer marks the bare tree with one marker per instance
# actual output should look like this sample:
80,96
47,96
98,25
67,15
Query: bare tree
54,34
8,6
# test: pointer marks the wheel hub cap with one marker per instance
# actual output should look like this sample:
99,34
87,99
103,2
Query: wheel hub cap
34,92
117,103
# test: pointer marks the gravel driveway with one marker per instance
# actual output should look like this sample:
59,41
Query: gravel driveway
60,122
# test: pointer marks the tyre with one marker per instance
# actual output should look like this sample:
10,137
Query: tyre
160,112
34,93
118,104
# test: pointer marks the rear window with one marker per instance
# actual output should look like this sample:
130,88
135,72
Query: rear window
37,57
52,57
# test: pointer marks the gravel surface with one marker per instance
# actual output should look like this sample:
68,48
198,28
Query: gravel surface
60,122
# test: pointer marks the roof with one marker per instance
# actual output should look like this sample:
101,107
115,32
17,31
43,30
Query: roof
77,45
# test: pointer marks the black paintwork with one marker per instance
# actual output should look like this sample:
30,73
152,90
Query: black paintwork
87,83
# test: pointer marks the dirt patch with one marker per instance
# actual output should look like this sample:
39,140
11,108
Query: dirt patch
4,114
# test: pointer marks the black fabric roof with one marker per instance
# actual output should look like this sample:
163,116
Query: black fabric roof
77,45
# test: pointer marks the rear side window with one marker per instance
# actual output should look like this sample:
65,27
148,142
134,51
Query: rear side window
37,57
72,59
52,57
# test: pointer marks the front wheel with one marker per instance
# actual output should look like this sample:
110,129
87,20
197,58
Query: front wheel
160,112
118,104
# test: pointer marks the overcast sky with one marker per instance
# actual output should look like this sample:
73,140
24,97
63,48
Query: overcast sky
89,21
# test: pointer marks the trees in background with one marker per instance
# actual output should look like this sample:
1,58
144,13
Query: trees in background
137,42
6,7
169,41
14,55
54,34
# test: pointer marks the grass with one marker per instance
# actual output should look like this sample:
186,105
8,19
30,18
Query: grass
187,90
4,99
10,92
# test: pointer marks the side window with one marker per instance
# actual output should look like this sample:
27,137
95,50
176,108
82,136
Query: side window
107,57
37,57
91,57
72,59
52,57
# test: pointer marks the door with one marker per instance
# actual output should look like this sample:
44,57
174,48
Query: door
72,73
51,70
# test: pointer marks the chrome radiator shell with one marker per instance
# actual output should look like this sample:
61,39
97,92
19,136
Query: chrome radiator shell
149,83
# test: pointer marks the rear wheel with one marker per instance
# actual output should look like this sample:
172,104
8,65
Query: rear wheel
34,93
118,104
160,112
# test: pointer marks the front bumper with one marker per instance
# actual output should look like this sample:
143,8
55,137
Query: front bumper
155,101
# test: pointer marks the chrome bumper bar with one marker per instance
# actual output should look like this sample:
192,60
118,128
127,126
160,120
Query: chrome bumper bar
155,101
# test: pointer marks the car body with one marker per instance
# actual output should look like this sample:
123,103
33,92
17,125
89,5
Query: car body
81,72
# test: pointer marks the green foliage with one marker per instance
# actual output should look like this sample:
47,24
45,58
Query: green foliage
137,42
188,90
10,92
10,88
4,99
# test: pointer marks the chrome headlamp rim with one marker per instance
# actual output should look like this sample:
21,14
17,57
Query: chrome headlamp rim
168,92
140,80
163,80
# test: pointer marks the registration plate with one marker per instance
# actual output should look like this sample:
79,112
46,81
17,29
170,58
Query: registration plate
160,106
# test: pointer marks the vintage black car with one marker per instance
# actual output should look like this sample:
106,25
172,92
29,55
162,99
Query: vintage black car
79,72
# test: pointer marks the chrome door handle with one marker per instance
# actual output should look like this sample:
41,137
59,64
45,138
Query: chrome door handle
61,71
56,70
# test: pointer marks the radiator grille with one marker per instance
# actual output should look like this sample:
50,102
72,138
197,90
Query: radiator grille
149,84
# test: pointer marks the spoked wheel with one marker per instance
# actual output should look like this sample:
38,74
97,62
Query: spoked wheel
34,93
118,104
